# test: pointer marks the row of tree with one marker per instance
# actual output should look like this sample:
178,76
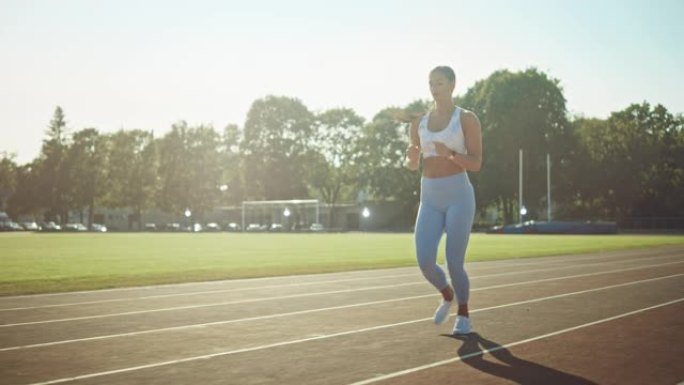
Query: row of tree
631,164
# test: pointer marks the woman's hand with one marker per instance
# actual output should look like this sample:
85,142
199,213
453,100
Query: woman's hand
412,156
442,150
406,116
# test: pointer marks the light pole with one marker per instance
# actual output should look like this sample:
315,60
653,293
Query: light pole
223,189
187,213
523,212
286,214
365,213
520,185
548,187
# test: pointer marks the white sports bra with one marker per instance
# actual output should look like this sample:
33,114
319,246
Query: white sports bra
451,135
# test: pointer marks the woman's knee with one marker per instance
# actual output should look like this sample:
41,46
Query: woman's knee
427,265
458,272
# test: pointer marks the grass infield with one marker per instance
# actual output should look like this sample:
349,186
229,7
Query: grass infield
43,263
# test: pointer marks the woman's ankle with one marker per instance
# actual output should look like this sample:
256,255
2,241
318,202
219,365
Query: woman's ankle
448,294
463,310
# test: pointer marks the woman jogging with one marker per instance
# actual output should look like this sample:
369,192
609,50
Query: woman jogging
450,142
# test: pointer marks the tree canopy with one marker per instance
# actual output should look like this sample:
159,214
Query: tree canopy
628,165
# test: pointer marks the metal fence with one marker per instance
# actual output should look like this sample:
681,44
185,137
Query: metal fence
652,223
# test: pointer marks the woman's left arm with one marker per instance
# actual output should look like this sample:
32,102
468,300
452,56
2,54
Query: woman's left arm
472,161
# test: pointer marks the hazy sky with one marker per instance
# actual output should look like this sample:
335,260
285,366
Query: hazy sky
147,64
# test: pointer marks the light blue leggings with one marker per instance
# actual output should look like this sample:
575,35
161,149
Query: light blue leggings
446,204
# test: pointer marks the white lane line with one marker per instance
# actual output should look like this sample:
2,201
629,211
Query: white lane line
505,346
208,283
236,302
416,273
216,323
327,336
278,286
613,255
300,312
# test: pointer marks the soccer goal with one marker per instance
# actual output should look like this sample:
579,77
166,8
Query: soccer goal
285,215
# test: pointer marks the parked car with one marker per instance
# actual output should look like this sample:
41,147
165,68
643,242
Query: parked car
557,227
99,228
172,227
10,226
252,227
75,227
50,226
232,226
316,227
212,226
192,228
4,221
275,227
30,226
150,227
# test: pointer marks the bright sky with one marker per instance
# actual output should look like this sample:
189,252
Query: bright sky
128,64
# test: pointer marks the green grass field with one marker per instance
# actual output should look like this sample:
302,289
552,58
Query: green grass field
40,263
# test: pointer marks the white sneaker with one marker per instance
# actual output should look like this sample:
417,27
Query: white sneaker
462,325
442,313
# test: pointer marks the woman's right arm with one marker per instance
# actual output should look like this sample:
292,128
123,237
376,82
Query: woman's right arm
413,150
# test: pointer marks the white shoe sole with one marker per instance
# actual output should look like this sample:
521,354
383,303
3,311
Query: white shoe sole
442,313
464,328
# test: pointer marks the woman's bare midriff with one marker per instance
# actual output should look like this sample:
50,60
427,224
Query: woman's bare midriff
439,167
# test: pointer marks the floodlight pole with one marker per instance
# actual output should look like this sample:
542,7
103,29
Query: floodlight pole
548,187
520,184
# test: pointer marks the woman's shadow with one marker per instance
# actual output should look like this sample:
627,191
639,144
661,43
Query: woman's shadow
511,367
